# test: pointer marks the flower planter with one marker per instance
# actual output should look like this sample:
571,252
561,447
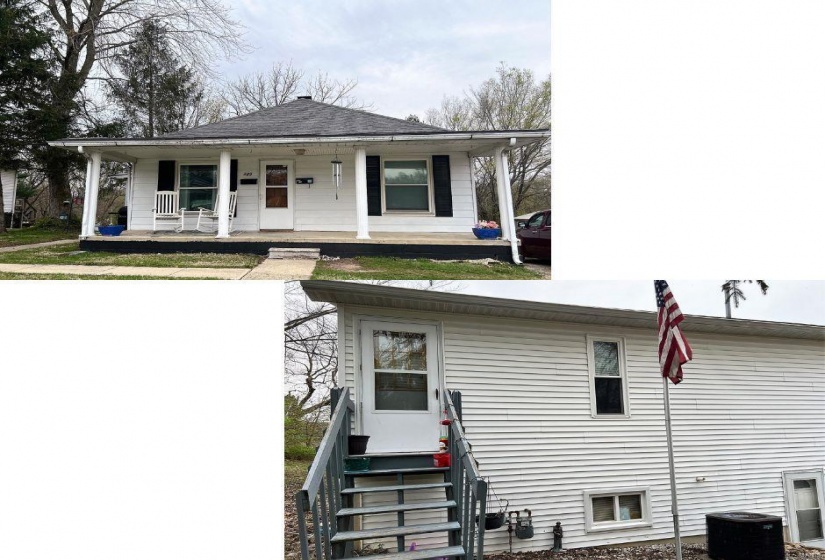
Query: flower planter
112,231
487,233
357,445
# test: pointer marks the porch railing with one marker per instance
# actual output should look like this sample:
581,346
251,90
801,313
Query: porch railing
470,490
321,492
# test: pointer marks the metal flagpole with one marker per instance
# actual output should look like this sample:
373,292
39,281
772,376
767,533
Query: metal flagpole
674,506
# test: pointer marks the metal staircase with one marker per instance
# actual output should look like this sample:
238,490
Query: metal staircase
330,501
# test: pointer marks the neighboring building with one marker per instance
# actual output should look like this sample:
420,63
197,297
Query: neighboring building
563,408
401,182
9,179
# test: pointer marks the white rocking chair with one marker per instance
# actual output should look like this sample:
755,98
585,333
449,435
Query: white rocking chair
208,219
167,210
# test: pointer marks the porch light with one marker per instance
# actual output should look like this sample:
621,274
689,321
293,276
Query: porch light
336,174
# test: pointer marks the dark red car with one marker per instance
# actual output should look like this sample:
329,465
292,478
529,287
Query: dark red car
535,236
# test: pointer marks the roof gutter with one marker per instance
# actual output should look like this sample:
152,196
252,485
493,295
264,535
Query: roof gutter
91,142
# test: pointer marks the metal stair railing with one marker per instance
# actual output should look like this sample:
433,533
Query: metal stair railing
469,489
321,492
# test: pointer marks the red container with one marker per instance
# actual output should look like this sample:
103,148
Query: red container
441,459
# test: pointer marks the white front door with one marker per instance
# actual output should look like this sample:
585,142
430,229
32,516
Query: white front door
277,195
400,387
806,504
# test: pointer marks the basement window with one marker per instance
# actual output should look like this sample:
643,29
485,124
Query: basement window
617,509
608,377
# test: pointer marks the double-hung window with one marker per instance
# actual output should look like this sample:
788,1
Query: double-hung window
616,509
608,379
198,186
407,185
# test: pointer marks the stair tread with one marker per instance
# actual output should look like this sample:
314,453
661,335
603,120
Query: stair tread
388,508
384,472
396,487
422,554
395,531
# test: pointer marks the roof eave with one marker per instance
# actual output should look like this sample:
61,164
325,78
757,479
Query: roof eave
503,135
405,298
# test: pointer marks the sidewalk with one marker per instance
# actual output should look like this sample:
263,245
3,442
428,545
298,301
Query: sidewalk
36,245
270,269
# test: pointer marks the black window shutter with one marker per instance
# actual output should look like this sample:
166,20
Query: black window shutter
442,186
166,175
233,175
373,185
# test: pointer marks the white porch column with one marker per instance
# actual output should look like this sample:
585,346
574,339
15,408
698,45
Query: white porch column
92,187
505,202
223,194
361,215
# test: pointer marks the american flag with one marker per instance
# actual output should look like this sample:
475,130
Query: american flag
674,349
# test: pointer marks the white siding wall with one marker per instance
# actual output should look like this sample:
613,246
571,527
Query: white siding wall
8,178
749,409
316,208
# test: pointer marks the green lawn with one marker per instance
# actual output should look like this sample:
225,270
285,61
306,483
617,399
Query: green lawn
22,276
389,268
28,236
67,254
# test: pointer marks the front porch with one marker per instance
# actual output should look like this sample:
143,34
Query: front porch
344,244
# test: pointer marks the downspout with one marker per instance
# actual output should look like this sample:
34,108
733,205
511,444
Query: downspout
473,188
510,222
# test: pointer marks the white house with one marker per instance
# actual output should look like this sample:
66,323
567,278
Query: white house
401,182
562,407
8,178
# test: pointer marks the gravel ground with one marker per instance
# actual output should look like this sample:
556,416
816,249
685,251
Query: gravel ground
652,552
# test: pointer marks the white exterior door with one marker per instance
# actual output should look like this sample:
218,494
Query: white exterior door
806,504
277,195
400,387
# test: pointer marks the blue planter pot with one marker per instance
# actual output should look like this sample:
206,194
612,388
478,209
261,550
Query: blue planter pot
113,231
487,233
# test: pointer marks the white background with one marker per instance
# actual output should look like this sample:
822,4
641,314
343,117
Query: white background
688,138
141,420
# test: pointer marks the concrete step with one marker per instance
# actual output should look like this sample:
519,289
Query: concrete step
422,554
395,531
295,253
395,487
389,508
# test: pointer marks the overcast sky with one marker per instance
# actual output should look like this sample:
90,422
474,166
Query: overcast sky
405,54
786,300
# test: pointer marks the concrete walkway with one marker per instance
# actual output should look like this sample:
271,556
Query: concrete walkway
95,270
270,269
282,269
36,245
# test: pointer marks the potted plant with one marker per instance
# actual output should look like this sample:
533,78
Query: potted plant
487,230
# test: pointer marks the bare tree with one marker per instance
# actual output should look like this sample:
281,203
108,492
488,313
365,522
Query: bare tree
90,33
282,83
732,291
513,100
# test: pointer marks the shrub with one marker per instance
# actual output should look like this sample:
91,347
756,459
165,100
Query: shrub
299,452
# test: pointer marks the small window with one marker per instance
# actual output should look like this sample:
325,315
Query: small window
608,383
616,509
198,186
407,185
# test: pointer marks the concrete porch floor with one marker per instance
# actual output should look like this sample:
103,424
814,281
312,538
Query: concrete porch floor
307,237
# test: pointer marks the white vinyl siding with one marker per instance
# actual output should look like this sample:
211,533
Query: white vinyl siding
316,208
749,409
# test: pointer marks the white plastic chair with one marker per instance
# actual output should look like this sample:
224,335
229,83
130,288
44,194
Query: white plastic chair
167,210
208,219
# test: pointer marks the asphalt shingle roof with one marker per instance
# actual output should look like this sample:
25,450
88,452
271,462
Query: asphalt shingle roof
304,117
